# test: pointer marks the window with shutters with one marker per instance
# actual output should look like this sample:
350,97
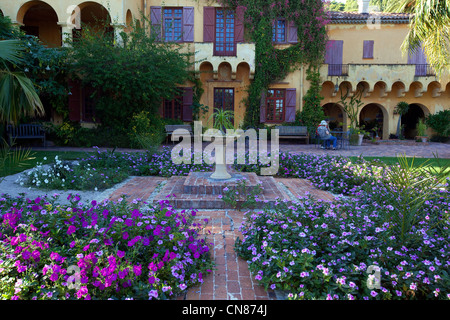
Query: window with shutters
279,31
173,109
173,24
275,105
224,44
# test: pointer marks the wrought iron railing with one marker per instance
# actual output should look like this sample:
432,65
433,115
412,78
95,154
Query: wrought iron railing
422,70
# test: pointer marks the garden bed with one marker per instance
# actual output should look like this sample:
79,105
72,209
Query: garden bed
394,218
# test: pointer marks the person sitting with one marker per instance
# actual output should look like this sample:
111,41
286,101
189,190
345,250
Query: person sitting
323,131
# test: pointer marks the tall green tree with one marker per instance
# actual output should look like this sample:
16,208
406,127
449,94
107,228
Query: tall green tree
129,78
351,6
429,28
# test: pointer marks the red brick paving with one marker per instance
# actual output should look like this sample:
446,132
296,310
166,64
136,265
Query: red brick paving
231,279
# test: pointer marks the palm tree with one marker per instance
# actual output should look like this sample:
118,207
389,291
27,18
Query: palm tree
429,28
18,96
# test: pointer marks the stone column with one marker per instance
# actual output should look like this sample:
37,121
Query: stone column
66,33
118,28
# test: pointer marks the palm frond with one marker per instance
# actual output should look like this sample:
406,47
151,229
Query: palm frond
11,50
18,97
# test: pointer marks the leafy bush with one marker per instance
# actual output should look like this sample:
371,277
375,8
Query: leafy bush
146,131
73,176
98,251
439,122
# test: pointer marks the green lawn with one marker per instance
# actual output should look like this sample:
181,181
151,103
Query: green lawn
434,163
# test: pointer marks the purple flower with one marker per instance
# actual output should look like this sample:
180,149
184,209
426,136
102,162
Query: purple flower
71,230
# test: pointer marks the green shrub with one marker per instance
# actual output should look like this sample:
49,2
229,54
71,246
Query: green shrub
439,122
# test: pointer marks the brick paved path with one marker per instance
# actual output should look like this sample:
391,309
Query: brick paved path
231,280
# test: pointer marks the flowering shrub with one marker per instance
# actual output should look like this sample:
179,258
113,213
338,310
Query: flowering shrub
75,176
336,174
105,169
98,251
396,220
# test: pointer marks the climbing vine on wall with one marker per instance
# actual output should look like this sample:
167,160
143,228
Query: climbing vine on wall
273,64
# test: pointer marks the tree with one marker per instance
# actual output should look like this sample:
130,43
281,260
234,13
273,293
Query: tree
351,6
129,78
18,96
429,29
336,6
312,112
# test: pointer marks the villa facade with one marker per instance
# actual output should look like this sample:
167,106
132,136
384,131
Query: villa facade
363,52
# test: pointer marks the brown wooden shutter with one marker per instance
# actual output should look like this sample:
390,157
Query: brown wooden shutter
209,15
289,114
75,100
239,24
188,94
188,24
155,17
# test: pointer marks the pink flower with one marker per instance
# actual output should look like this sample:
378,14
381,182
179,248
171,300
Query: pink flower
71,230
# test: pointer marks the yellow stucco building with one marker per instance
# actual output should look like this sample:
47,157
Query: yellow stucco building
363,52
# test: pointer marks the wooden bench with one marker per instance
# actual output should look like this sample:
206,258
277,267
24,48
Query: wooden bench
26,131
170,128
293,132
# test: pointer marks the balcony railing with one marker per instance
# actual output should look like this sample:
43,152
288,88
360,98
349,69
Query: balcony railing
422,70
338,69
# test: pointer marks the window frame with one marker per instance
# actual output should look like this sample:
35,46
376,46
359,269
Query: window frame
275,31
224,52
274,98
223,99
173,17
172,102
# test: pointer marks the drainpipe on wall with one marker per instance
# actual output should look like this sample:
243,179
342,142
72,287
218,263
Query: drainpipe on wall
301,88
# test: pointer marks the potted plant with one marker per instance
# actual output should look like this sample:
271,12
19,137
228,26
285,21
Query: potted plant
421,129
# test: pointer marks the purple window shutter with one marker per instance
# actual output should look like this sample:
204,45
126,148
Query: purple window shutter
155,17
368,49
262,109
239,24
418,58
333,57
188,24
291,96
209,14
328,52
187,104
292,32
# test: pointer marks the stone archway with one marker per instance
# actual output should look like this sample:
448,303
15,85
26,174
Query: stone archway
95,17
374,118
40,19
415,112
334,113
